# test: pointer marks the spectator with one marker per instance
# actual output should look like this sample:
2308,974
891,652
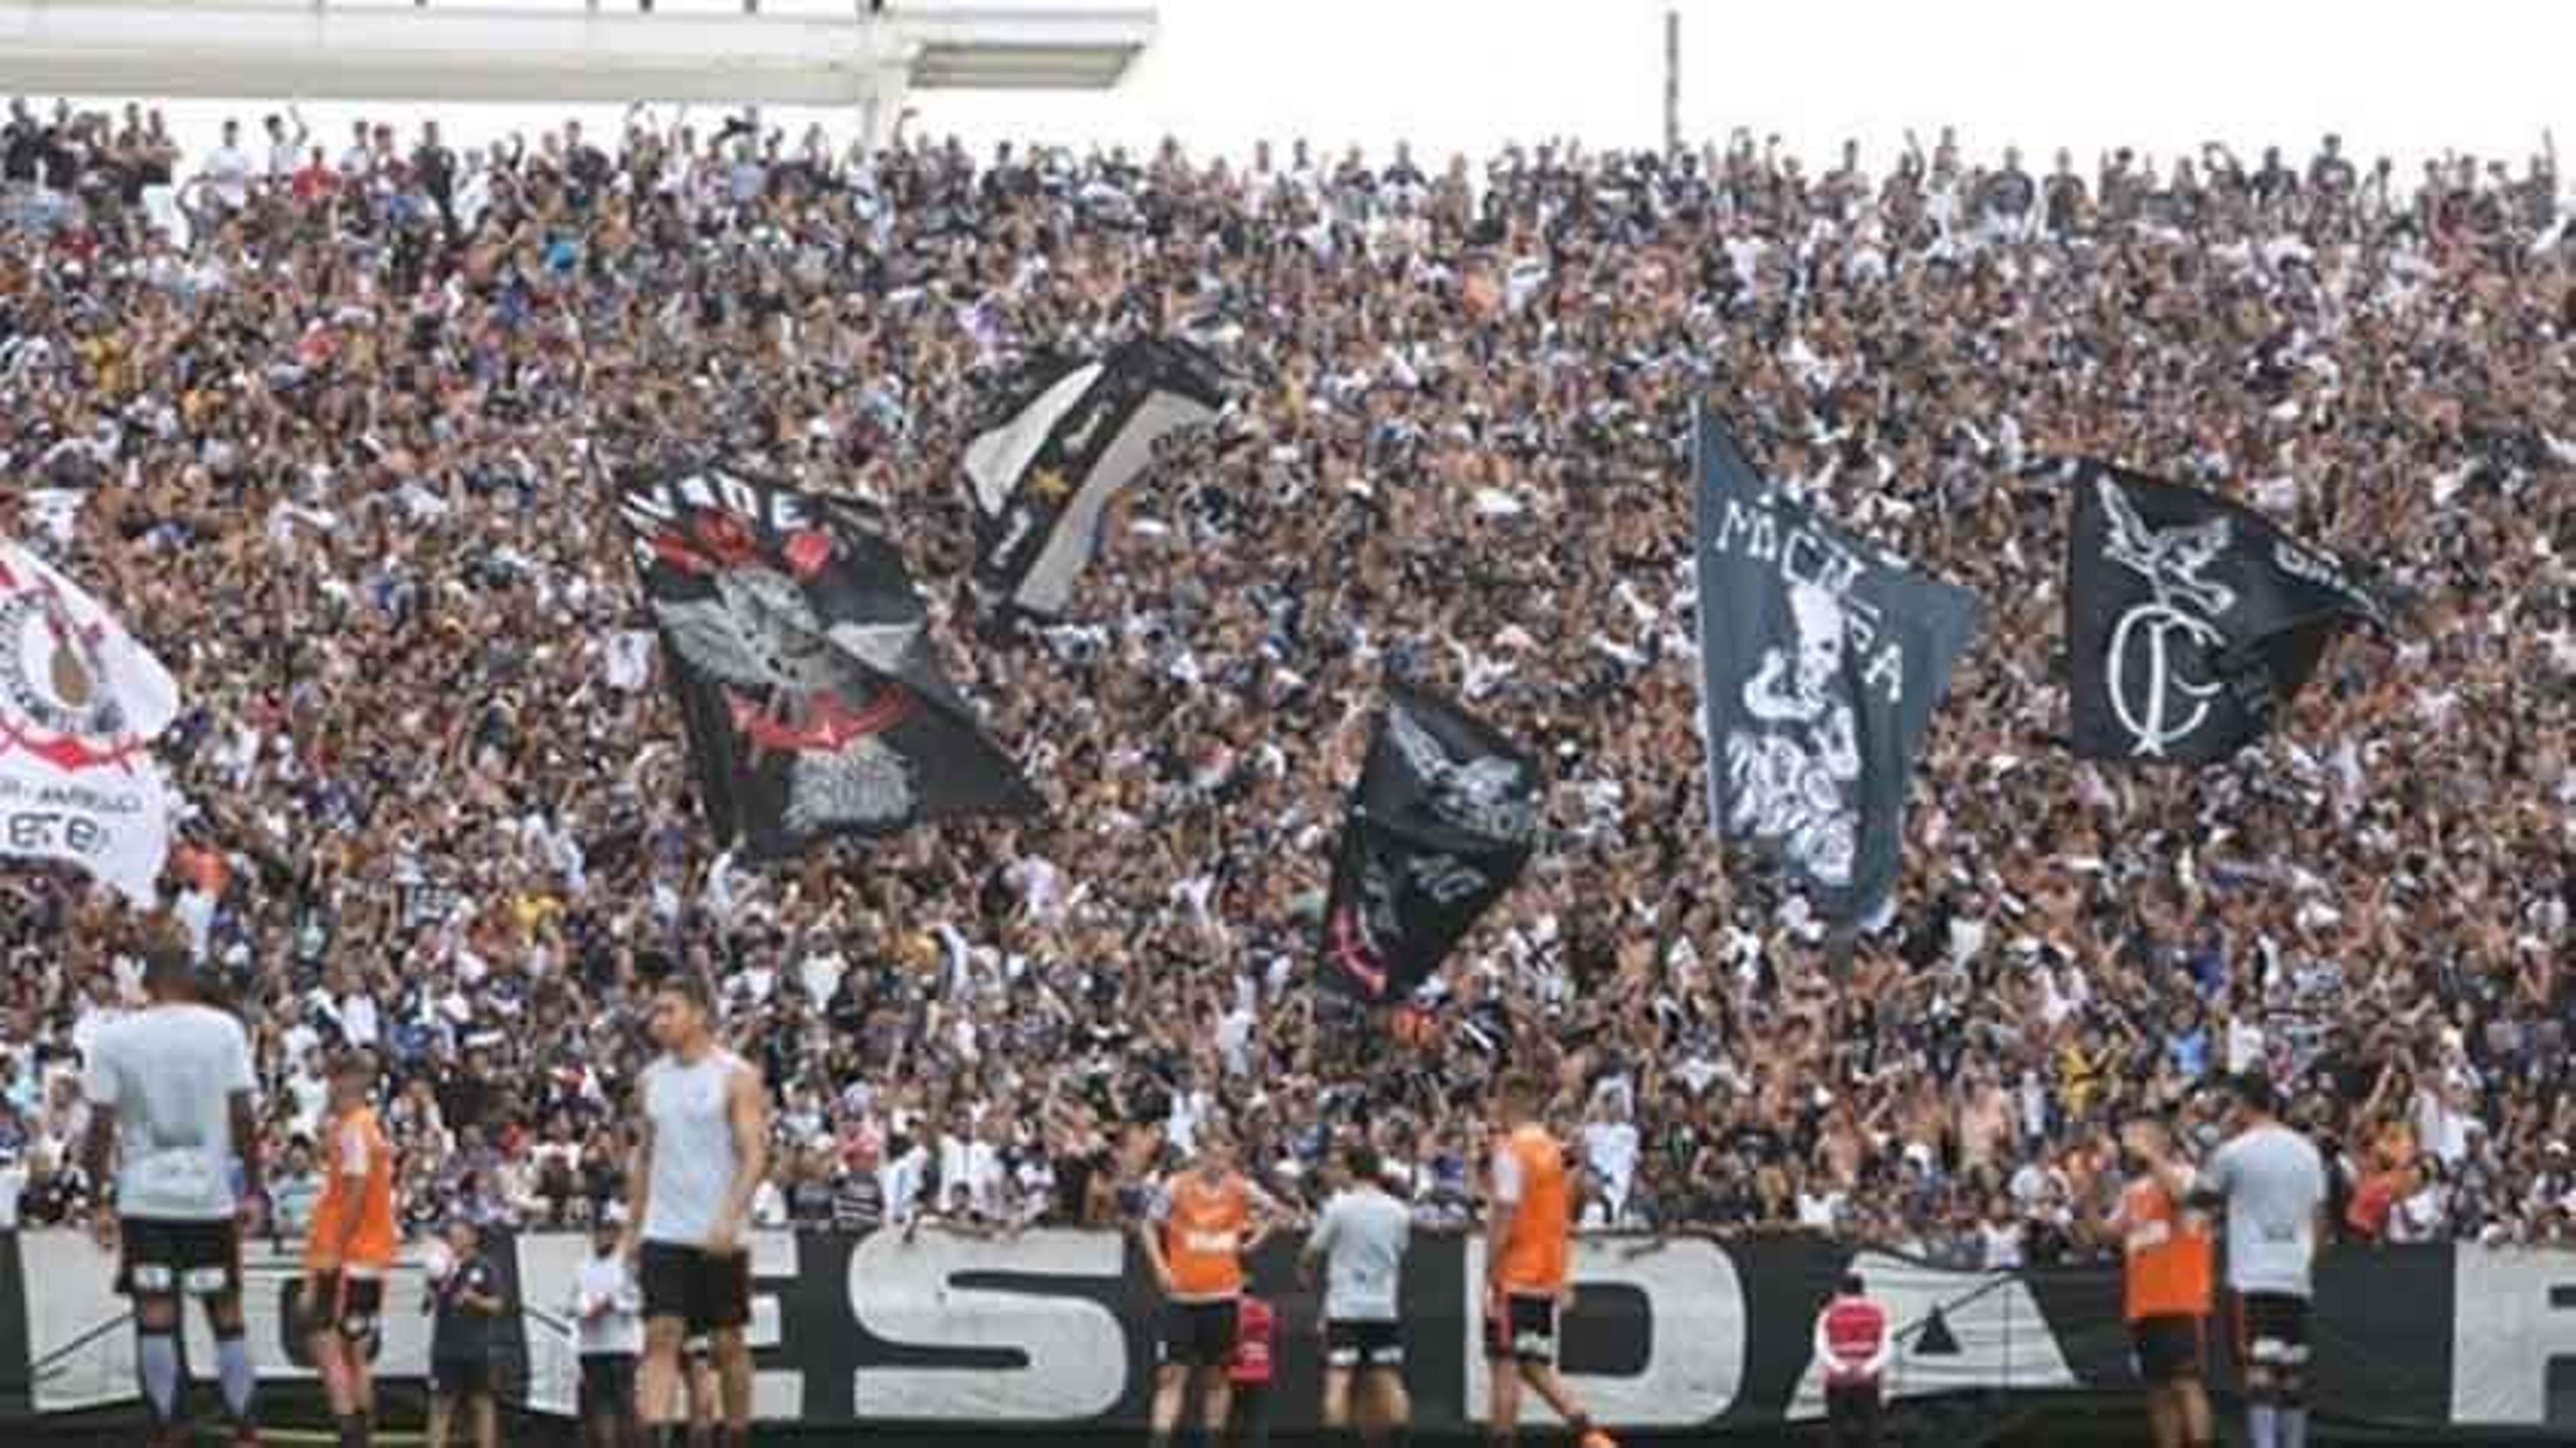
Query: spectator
319,450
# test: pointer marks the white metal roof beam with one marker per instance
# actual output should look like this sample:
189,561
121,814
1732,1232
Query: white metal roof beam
291,48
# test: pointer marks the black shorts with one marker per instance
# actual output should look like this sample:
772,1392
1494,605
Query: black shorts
2168,1349
461,1377
1364,1345
2272,1329
353,1307
707,1293
607,1384
163,1258
1852,1412
1199,1334
1526,1332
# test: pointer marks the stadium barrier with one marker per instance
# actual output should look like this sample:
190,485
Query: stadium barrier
1054,1330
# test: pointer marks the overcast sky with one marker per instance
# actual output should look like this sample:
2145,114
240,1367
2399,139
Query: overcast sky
2484,76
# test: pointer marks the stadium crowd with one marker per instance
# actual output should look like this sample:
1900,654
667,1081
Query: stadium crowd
326,423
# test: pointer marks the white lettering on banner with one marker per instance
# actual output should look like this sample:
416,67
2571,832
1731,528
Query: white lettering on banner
2004,1340
549,1265
1811,557
1748,531
650,505
1076,1350
2513,1315
1696,1342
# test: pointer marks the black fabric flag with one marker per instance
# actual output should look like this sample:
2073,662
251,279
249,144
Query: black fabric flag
1077,432
1441,823
1821,661
2191,622
798,649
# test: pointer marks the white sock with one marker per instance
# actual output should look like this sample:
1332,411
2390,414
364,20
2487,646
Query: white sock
156,1362
232,1367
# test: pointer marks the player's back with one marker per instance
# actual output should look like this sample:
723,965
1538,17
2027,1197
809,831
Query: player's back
1368,1234
171,1072
2275,1181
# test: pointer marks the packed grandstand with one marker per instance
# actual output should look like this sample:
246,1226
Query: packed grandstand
324,418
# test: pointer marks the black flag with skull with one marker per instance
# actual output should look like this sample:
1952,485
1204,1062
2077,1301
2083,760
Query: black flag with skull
799,653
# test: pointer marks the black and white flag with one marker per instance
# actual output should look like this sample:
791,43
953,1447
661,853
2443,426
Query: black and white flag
1443,819
1044,473
2191,622
799,652
1821,661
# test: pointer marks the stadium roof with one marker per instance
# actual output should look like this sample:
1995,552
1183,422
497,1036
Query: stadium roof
564,52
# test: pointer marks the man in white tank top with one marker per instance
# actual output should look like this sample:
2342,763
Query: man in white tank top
705,1147
173,1111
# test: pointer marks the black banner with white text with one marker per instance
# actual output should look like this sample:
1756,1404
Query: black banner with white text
1054,1329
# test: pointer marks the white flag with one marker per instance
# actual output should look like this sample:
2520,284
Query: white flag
80,702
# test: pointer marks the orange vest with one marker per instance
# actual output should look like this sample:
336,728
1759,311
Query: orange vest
1535,1256
370,1203
1203,1234
2168,1254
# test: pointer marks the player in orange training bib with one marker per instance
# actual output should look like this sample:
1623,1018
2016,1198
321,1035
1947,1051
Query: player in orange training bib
1528,1261
350,1247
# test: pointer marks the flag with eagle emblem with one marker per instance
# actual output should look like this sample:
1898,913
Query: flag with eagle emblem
1072,436
1444,818
799,653
80,704
2191,621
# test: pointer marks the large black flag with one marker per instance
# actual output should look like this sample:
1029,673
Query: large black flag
797,647
2191,621
1821,662
1440,826
1077,433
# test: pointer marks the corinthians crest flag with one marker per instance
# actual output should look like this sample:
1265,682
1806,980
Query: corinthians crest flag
1442,821
2191,622
1077,433
80,703
797,647
1821,662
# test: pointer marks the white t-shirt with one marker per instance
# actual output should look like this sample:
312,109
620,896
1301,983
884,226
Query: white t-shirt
170,1073
1610,1148
1362,1237
2274,1181
228,171
620,1329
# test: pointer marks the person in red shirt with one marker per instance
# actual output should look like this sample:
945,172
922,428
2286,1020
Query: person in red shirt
1256,1357
316,182
2169,1276
1854,1345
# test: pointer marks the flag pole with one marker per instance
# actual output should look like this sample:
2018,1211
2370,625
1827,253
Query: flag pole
1672,84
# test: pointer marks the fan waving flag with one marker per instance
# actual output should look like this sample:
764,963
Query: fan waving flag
2191,622
80,703
1079,431
1440,825
1821,662
798,649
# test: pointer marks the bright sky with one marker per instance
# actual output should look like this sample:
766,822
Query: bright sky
2484,76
